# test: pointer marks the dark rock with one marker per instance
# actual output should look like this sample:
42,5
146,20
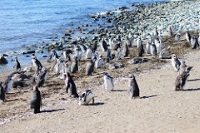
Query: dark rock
29,52
3,60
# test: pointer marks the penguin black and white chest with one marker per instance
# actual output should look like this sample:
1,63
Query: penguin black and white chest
8,84
42,77
53,55
108,82
104,45
88,53
36,101
70,86
175,62
133,87
36,63
17,65
181,80
153,49
66,54
125,50
140,49
86,97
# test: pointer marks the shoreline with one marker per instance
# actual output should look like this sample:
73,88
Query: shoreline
55,97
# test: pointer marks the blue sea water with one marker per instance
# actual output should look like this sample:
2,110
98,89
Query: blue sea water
27,22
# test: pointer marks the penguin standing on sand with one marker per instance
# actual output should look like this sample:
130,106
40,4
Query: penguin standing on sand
194,42
99,62
153,50
36,63
181,80
36,101
74,65
89,67
7,84
86,97
104,45
133,87
125,50
175,62
53,55
140,49
70,86
42,77
2,93
187,36
17,65
108,82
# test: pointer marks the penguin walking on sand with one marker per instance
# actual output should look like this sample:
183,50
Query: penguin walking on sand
36,63
175,62
2,93
153,50
181,80
86,97
133,87
187,36
125,50
17,65
70,86
108,82
90,67
194,42
184,67
36,101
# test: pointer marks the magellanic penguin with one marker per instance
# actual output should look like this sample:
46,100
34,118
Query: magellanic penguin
133,87
181,80
17,65
65,69
86,97
104,45
8,84
88,53
74,65
52,56
175,62
42,77
140,49
99,62
36,63
194,42
108,82
187,36
148,48
184,67
36,101
67,54
89,67
70,86
125,50
2,93
153,50
158,44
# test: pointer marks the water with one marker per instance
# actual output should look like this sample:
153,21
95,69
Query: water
27,22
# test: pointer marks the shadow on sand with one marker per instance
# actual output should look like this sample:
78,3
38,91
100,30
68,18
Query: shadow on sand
118,90
53,110
193,89
144,97
95,104
190,80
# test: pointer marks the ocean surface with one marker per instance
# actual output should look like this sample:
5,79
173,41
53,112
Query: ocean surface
28,22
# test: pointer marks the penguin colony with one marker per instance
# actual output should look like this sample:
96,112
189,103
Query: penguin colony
98,54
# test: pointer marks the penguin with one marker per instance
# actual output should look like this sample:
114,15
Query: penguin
175,62
119,53
99,62
140,49
171,32
194,42
153,50
148,48
184,67
65,69
2,93
139,42
52,56
42,77
158,44
104,45
86,97
74,65
109,56
187,36
8,84
58,66
17,65
36,101
133,87
89,67
181,80
36,63
66,54
164,52
70,86
78,53
108,82
125,50
88,53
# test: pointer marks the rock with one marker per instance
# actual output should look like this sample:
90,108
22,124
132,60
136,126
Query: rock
3,60
138,60
29,52
116,65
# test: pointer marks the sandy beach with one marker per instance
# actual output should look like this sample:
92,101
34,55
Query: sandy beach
160,109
